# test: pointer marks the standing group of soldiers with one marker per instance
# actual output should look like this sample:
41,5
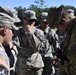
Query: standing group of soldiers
53,39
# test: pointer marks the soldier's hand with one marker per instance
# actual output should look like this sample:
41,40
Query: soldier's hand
29,27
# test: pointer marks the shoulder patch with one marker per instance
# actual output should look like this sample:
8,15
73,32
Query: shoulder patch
4,63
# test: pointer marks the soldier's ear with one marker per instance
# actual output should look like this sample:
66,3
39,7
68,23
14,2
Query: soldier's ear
5,30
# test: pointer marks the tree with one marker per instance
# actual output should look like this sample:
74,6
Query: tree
40,3
20,9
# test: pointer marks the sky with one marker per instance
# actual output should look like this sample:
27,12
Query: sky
27,3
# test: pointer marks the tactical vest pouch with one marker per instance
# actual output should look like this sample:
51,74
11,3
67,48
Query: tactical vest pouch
35,61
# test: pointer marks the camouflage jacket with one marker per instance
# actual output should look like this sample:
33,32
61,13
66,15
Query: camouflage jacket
54,39
70,41
29,42
48,49
4,61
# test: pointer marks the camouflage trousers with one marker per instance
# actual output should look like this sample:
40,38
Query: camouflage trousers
70,68
23,69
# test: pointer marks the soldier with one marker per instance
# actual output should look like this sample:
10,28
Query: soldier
47,54
11,49
28,40
6,27
63,17
61,30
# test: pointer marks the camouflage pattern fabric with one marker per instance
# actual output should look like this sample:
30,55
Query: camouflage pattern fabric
70,42
70,67
28,43
4,62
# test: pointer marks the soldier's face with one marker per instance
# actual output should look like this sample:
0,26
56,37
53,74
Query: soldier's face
30,22
44,24
8,36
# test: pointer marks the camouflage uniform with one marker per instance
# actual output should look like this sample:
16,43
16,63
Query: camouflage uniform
53,45
47,54
70,66
12,54
60,53
60,16
27,43
8,16
54,40
4,62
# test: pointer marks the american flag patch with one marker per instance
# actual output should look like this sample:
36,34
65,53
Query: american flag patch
4,63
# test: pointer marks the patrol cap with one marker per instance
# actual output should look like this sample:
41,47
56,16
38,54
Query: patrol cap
44,16
10,11
6,21
29,15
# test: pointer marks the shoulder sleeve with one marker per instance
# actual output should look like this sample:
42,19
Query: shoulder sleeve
43,45
3,60
39,34
53,38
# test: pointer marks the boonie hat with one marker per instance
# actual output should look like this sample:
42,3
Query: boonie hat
54,16
29,15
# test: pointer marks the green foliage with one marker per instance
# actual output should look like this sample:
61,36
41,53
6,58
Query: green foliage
20,9
40,3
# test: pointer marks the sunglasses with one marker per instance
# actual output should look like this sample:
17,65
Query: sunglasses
45,22
32,20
